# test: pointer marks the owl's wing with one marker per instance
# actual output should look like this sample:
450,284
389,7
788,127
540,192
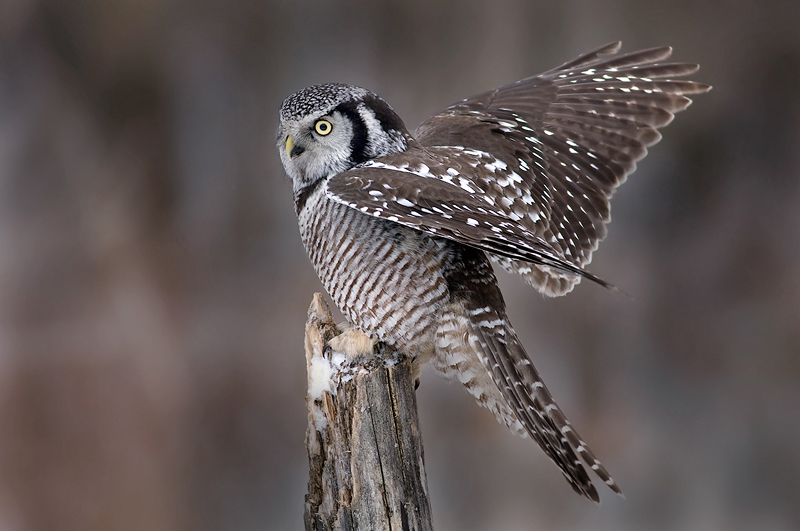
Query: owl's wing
572,135
464,195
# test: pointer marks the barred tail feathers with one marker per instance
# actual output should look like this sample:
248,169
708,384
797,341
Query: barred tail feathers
479,347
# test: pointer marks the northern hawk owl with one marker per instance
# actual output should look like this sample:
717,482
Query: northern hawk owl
401,229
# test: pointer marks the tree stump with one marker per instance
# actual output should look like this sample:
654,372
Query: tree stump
366,466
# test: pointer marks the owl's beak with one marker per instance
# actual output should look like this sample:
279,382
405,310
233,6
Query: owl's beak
292,150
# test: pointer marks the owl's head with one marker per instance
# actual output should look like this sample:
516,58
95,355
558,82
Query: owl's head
327,129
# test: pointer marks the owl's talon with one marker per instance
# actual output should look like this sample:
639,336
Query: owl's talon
354,344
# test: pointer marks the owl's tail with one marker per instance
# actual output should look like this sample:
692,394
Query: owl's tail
523,401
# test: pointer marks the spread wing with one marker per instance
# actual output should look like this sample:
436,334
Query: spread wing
573,134
525,172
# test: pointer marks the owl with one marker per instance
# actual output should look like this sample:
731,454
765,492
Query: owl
402,229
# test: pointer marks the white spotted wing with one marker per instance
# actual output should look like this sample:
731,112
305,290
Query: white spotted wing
525,172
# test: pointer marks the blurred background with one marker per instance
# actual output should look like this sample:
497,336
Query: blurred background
153,286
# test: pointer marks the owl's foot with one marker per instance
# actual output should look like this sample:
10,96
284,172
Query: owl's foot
353,343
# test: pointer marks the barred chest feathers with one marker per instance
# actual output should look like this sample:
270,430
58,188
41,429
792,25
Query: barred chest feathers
385,278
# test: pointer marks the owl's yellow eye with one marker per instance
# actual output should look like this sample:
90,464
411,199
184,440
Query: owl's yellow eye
323,127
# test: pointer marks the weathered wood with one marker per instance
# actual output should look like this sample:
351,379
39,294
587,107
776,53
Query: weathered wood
364,445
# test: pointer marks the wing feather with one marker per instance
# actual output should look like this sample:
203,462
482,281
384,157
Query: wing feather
573,134
429,191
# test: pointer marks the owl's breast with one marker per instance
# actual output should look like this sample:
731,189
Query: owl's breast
385,278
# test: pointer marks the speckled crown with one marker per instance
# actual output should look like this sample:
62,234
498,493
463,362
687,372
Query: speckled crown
319,97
